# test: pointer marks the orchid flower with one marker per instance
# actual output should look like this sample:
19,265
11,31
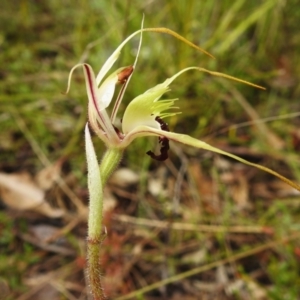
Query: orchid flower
143,117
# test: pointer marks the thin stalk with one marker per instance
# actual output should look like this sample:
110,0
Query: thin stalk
96,234
109,163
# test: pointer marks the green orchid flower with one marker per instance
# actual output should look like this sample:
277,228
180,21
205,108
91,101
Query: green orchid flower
141,112
142,117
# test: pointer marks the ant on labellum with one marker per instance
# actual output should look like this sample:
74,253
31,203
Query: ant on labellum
163,141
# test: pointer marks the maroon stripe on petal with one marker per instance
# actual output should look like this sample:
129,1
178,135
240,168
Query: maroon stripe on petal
92,91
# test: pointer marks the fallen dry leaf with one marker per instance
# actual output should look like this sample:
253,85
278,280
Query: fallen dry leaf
19,191
48,176
124,177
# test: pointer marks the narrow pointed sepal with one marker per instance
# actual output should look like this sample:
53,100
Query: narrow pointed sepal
114,56
193,142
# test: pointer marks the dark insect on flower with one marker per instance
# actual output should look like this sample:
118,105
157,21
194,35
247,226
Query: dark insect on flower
163,141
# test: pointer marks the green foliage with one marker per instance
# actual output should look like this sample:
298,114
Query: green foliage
14,259
285,277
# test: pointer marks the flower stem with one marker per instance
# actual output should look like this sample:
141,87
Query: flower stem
96,235
109,163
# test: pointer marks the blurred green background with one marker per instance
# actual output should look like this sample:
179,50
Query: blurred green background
258,41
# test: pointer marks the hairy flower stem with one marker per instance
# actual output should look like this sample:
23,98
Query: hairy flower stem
109,163
96,235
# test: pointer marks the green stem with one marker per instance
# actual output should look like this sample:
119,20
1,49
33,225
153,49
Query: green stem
96,235
109,163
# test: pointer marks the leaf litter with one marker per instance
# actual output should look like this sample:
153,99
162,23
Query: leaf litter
21,191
